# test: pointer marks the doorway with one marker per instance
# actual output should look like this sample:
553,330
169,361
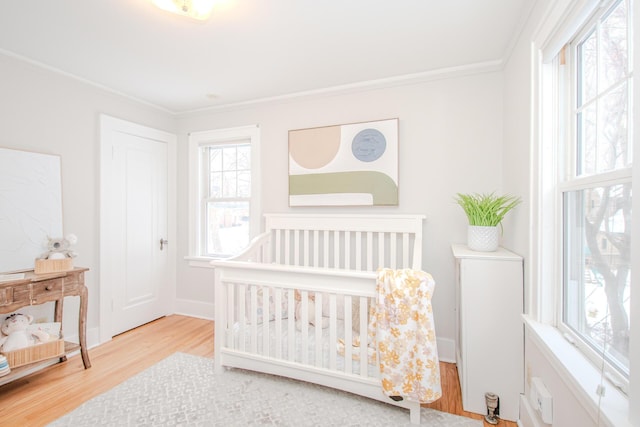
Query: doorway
137,228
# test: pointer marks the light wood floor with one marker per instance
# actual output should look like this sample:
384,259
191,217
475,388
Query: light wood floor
44,396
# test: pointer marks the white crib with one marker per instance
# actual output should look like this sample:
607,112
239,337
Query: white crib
333,258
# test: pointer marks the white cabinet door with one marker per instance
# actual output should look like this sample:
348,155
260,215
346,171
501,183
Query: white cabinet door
490,339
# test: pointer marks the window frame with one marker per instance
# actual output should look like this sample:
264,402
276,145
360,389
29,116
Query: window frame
217,137
568,179
560,22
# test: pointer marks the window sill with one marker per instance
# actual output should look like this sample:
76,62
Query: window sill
579,375
199,261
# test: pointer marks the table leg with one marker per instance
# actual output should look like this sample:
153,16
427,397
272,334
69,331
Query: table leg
83,327
57,317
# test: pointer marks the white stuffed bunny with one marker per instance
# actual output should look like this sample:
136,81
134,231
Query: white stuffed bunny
17,336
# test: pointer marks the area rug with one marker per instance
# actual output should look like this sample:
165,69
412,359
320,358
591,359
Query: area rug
182,390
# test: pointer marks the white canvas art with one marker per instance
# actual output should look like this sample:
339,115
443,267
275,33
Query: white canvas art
344,165
30,206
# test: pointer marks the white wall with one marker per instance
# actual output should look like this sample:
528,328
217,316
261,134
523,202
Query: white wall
450,141
47,112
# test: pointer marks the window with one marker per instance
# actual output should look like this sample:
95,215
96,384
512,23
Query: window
595,187
224,201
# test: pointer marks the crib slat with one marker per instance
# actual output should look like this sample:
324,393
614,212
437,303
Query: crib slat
254,319
381,260
316,248
325,260
265,320
336,249
304,320
348,336
364,348
318,329
393,252
242,319
347,251
358,250
291,326
332,332
306,247
296,247
369,251
405,250
278,246
278,322
287,247
230,313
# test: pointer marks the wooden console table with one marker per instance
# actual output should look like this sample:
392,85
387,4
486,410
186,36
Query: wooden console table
35,289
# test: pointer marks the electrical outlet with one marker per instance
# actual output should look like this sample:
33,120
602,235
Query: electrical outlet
541,400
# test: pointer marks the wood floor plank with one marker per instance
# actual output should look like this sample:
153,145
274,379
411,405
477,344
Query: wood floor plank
42,397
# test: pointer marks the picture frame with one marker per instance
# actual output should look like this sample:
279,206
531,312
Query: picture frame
353,164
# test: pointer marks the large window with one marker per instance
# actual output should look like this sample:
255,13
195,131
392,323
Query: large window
595,186
224,199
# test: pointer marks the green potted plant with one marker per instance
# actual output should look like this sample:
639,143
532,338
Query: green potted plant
485,212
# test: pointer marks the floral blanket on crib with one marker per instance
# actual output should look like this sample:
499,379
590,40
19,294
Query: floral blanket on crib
403,331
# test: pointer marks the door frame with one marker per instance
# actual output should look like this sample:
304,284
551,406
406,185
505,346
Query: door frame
108,126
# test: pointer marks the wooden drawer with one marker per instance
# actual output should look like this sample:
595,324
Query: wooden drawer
6,296
49,290
17,296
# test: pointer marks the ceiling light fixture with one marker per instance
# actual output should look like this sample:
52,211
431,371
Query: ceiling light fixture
197,9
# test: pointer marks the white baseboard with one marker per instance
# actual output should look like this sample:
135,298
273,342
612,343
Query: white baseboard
93,337
202,310
446,350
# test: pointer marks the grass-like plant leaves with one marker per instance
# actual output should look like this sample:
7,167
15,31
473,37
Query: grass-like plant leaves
486,209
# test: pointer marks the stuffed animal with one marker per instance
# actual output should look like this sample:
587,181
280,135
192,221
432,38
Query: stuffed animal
17,337
59,247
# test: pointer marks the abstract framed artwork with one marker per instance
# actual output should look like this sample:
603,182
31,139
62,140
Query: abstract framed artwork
344,165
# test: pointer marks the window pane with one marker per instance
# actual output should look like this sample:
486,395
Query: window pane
614,60
244,157
587,143
229,184
244,184
587,69
215,184
612,148
229,161
228,227
215,158
597,239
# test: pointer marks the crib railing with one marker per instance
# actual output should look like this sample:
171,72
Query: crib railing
348,242
263,321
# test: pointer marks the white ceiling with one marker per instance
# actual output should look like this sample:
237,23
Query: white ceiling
255,49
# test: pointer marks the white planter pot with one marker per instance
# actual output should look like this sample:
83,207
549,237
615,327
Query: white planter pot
483,238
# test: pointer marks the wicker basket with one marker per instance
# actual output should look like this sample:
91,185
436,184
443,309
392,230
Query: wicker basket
44,266
35,353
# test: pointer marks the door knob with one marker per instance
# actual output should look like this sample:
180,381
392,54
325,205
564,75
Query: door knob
162,243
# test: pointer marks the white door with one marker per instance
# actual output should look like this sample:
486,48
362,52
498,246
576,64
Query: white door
135,246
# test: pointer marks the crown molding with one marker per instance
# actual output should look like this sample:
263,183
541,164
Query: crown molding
403,80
